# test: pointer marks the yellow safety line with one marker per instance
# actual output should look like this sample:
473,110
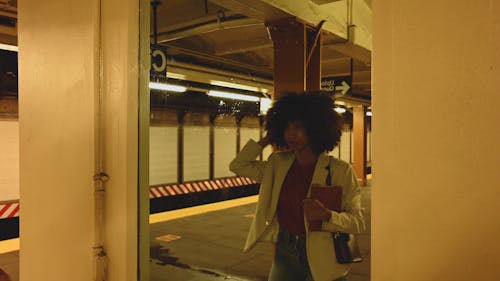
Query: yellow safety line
175,214
13,244
9,245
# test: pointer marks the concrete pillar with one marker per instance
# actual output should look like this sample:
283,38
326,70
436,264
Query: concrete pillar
78,89
292,43
435,194
359,147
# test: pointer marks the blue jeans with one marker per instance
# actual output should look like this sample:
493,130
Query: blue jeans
290,259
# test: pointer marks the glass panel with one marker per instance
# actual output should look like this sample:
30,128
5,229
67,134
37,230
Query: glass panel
205,106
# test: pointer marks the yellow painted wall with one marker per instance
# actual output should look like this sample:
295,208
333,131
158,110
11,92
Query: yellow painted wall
9,160
69,53
436,69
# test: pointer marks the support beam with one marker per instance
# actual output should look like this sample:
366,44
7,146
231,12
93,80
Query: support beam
293,70
339,15
256,9
207,28
289,37
243,45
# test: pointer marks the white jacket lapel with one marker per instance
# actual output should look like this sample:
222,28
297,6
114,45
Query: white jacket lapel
321,170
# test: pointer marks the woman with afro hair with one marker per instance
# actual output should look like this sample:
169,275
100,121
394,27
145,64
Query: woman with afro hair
303,128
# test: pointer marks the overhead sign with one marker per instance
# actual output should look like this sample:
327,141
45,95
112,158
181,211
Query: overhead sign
158,61
337,85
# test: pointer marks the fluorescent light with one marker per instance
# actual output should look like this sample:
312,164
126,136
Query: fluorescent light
339,109
167,87
368,113
228,95
237,86
265,104
8,47
233,85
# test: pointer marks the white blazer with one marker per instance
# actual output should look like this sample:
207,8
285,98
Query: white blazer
271,174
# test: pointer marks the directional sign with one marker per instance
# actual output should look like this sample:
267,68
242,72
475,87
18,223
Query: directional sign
337,85
158,61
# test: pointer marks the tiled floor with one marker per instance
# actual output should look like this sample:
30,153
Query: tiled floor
9,262
210,248
211,245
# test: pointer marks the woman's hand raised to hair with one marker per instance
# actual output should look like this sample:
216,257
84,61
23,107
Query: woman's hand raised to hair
264,141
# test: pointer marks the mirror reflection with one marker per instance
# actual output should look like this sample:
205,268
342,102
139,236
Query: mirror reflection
212,82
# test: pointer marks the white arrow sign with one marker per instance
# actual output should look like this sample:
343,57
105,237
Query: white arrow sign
343,88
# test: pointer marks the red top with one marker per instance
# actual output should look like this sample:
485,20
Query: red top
293,191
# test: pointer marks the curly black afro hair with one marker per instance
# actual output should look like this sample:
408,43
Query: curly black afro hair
314,110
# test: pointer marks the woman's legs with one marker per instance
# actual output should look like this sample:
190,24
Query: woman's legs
290,259
283,270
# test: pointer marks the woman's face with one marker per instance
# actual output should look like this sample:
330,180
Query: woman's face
296,136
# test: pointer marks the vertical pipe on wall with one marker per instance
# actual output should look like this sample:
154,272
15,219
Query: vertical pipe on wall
100,177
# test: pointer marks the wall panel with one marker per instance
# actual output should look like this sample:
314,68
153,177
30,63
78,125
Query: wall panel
224,150
196,153
162,154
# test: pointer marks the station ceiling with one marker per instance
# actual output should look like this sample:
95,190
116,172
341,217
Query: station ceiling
232,35
229,38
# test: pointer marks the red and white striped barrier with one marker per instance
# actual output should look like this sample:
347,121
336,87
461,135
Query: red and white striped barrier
9,210
197,186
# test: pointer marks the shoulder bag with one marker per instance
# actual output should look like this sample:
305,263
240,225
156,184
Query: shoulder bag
345,244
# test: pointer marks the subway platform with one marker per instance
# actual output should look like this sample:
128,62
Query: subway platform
205,243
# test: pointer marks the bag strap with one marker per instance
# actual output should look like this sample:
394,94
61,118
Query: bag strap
328,179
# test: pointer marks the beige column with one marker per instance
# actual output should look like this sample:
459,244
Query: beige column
359,140
78,93
435,192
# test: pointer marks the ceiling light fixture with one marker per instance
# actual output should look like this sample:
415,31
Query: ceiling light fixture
167,87
237,86
369,113
9,47
233,85
228,95
265,104
339,110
